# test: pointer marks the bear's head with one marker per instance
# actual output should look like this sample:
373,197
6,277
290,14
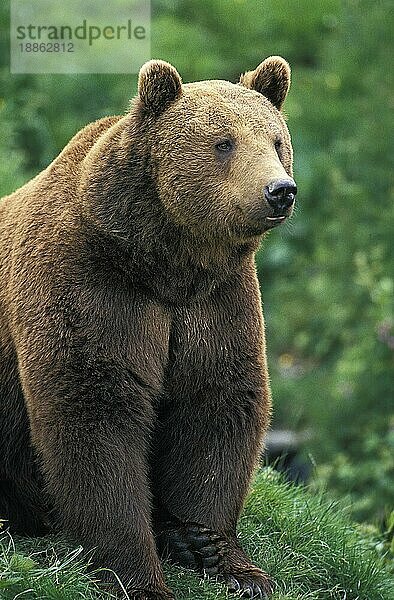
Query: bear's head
220,152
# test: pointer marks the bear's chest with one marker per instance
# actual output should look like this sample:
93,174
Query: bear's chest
175,285
199,343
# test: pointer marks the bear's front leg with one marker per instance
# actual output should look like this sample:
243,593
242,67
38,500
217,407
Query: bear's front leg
91,415
212,420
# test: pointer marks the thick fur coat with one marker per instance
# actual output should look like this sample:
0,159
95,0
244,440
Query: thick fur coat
134,392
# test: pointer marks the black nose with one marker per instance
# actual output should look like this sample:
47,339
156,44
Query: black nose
280,194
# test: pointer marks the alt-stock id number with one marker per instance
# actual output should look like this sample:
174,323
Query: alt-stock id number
47,47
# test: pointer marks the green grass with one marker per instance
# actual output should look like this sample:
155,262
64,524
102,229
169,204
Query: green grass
309,546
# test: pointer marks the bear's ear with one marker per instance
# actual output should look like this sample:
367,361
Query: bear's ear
271,78
159,84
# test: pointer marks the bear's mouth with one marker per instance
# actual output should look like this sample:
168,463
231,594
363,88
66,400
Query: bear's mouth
257,224
277,219
266,224
274,221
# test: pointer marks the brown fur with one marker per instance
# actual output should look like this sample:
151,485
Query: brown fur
133,385
271,78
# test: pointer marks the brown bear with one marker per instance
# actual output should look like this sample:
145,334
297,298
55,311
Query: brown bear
134,393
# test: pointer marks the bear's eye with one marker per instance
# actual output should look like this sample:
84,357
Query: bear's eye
278,148
224,146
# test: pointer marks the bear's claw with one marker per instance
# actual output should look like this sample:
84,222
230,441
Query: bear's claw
197,547
192,546
249,586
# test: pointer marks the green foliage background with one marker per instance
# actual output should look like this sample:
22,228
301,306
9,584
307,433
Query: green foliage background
327,278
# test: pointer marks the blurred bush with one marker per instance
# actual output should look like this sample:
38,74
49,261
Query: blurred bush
327,277
328,281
